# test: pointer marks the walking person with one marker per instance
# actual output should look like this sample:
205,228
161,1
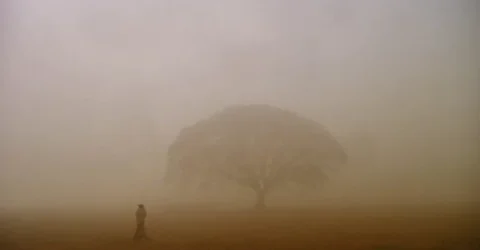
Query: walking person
140,215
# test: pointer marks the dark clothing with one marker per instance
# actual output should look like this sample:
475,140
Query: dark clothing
140,215
140,232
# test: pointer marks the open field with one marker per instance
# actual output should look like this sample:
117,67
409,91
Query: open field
275,228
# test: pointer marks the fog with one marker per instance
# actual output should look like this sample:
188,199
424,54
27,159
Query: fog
95,91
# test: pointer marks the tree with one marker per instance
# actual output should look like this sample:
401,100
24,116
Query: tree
258,146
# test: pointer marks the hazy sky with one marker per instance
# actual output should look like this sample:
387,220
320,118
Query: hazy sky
95,90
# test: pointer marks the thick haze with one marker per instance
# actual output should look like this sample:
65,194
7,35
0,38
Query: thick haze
95,91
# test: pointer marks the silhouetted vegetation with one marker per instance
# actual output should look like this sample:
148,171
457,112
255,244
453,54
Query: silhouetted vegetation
258,146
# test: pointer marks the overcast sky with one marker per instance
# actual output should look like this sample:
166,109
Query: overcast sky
93,86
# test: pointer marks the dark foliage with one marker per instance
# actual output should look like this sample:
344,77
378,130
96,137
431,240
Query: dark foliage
258,146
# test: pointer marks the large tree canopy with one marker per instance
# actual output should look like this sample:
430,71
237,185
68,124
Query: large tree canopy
258,146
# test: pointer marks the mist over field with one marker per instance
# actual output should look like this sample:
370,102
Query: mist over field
95,91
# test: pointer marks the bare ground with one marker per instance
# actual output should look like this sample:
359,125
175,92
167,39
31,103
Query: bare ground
323,228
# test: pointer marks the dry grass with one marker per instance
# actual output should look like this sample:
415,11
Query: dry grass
335,229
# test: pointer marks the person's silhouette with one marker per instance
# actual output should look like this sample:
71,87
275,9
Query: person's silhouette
140,215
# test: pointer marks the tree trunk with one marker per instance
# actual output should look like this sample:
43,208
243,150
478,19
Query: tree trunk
260,203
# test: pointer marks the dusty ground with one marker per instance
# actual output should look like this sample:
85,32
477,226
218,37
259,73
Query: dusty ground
323,228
